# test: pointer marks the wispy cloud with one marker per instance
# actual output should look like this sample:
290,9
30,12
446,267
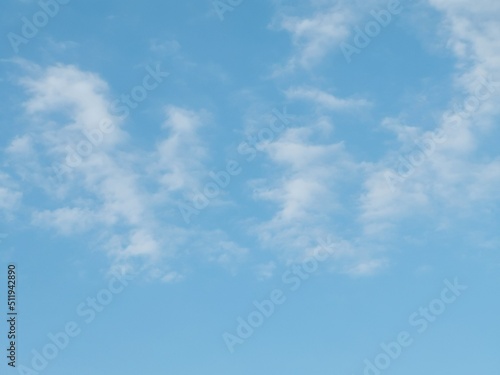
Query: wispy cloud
326,100
10,196
452,177
314,36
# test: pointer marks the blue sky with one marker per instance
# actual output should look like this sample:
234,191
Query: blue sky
322,174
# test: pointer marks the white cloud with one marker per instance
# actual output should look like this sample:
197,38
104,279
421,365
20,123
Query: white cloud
326,100
227,253
102,192
65,220
303,188
307,177
266,270
181,155
10,196
366,268
452,177
117,193
170,47
315,36
454,180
